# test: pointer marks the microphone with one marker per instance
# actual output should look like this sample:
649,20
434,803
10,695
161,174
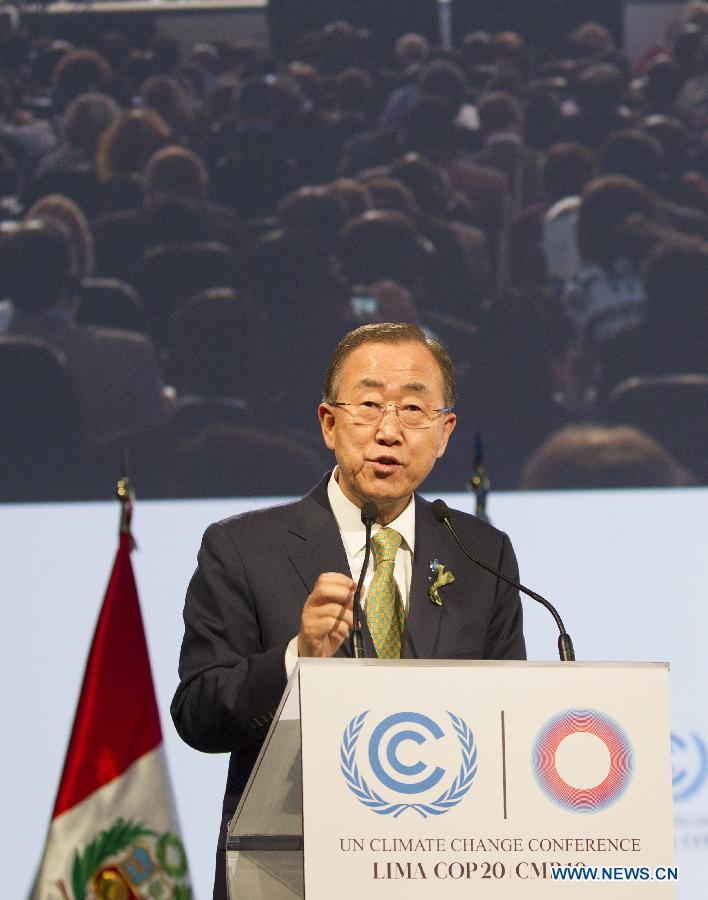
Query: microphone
442,513
369,514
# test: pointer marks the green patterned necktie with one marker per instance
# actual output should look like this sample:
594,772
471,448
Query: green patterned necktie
384,609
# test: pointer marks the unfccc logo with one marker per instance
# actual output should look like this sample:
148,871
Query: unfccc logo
408,778
689,755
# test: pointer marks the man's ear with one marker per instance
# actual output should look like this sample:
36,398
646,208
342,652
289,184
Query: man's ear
448,428
327,423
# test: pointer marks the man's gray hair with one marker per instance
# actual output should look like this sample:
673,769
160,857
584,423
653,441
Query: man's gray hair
388,333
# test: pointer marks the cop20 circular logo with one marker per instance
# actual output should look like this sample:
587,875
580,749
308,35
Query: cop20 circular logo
593,798
406,777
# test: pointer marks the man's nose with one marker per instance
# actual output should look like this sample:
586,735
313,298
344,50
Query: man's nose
389,428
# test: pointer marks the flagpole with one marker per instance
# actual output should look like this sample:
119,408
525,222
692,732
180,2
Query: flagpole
479,483
125,495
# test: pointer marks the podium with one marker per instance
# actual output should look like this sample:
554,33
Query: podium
460,778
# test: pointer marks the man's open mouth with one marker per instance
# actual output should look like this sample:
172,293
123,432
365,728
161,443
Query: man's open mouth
385,463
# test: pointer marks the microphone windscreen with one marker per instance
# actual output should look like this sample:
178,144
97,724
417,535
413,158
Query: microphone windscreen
441,510
369,512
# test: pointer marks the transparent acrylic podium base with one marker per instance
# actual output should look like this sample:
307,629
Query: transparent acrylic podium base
264,849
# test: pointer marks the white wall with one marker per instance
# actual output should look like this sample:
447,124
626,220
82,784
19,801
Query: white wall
627,569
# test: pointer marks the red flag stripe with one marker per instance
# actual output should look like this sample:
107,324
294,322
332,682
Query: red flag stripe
116,720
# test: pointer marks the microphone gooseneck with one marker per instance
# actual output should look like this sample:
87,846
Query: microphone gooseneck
442,513
369,514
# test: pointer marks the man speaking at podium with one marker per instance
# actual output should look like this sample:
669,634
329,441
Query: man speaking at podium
279,583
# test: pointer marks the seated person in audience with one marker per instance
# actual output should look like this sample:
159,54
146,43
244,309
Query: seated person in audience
606,296
459,276
672,338
641,157
501,123
598,109
676,281
124,151
164,95
410,52
315,210
174,209
565,170
22,134
352,195
383,244
70,168
595,456
77,71
115,374
430,130
54,208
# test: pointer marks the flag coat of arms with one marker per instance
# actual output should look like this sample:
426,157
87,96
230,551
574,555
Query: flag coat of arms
114,831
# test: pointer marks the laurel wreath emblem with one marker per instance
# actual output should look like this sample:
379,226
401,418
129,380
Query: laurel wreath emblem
358,785
108,842
123,834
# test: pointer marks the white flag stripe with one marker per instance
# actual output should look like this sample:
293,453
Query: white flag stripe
142,794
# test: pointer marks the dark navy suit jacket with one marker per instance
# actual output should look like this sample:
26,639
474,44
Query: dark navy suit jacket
244,603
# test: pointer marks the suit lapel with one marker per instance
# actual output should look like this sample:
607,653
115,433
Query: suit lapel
316,546
423,621
315,543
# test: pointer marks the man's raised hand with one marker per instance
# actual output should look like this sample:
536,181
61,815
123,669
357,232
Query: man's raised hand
326,616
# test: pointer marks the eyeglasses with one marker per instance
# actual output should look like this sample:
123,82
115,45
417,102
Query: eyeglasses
410,416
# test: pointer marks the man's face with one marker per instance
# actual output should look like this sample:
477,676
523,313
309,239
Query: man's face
386,462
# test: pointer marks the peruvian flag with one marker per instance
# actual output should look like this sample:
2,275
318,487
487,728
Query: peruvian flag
114,830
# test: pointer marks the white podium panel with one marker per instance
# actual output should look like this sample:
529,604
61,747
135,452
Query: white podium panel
457,779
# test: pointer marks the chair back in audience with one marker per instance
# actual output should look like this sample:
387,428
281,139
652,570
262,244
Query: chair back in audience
110,303
169,274
42,446
252,185
77,182
216,345
673,409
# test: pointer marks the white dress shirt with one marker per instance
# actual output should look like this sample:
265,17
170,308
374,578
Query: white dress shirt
353,533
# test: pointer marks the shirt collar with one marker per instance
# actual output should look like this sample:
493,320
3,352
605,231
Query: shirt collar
351,527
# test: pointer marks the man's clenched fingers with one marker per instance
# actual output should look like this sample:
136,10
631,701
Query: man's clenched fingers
332,587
